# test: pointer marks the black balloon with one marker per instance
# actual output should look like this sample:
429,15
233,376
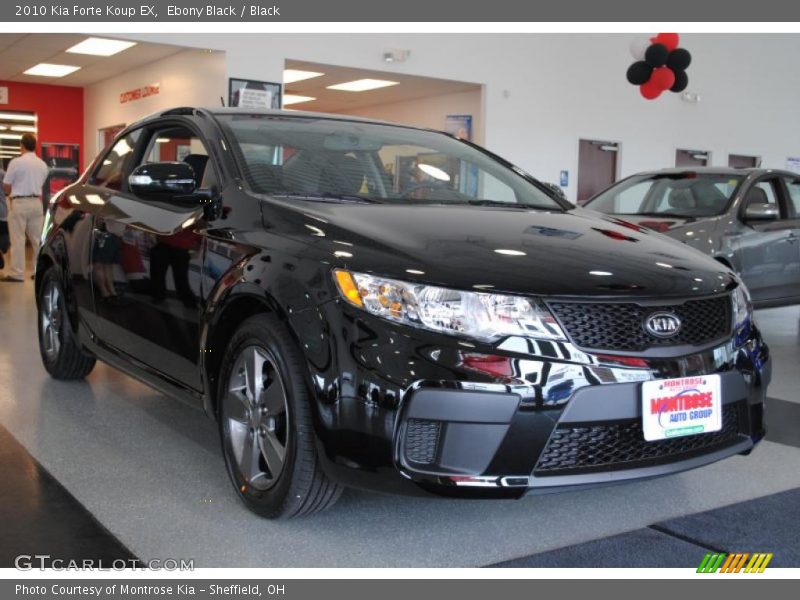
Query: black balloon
656,55
681,81
639,72
679,59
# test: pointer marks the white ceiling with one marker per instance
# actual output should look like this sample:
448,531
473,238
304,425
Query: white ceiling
21,51
410,87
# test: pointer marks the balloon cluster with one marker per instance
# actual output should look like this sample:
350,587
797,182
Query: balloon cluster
660,65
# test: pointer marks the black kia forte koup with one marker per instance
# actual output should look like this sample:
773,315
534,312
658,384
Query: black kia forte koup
363,304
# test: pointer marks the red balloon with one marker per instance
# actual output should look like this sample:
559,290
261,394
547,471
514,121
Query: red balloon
662,78
649,91
670,40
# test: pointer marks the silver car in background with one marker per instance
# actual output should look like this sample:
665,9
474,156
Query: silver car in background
748,219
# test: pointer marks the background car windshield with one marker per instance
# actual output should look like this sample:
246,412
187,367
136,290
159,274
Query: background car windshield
353,161
670,195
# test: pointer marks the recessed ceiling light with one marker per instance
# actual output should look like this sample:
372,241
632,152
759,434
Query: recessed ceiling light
26,128
17,117
295,99
100,47
295,75
50,70
362,85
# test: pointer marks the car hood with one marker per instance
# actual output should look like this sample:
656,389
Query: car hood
577,252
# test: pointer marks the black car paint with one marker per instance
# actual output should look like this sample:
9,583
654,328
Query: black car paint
269,254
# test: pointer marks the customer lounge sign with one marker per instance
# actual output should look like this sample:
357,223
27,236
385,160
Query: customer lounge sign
139,93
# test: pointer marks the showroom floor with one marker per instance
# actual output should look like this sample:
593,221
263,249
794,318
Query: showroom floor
150,472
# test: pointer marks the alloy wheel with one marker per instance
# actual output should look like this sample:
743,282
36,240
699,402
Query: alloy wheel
256,410
52,317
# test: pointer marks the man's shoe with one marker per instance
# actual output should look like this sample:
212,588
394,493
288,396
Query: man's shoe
11,279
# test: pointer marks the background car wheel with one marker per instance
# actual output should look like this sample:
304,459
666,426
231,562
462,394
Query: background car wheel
62,354
265,424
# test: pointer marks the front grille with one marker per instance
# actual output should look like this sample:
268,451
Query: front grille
619,326
621,445
421,441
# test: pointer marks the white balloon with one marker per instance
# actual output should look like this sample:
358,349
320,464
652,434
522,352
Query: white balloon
639,46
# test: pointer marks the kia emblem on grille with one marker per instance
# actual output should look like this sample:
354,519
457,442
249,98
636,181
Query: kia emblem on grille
662,324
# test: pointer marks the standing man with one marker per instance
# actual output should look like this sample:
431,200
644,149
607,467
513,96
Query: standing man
4,241
23,186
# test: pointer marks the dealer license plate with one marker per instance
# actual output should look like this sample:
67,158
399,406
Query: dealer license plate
677,407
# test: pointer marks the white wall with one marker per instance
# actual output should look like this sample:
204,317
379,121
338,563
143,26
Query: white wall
543,92
429,112
187,78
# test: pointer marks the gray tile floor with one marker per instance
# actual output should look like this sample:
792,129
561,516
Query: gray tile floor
150,470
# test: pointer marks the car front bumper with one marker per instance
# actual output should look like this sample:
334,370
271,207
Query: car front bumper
408,411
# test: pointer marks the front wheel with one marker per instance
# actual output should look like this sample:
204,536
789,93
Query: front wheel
266,426
61,352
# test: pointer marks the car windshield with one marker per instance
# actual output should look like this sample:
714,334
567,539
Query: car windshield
686,194
320,159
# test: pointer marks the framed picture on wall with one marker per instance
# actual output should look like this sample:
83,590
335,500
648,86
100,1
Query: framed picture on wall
459,126
61,156
256,95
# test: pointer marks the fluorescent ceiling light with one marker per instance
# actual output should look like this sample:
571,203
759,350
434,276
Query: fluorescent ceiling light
507,252
17,117
26,128
100,47
10,136
362,85
295,99
3,127
50,70
162,140
295,75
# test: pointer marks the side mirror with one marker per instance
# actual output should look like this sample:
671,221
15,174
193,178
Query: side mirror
162,180
761,212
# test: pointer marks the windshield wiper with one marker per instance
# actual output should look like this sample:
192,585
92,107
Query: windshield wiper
658,215
318,197
515,205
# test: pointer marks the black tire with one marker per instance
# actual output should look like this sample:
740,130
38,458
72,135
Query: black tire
62,354
298,486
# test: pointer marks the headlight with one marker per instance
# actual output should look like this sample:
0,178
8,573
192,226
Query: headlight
478,315
742,308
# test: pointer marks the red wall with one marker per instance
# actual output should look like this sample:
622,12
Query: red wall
59,110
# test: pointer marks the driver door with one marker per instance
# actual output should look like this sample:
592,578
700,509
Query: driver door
768,250
151,251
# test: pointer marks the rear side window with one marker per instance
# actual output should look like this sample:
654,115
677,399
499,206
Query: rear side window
111,172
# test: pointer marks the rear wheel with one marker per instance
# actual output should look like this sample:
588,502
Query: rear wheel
62,354
266,426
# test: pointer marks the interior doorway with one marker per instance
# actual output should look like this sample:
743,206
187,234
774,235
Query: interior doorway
691,158
442,104
743,161
13,124
597,167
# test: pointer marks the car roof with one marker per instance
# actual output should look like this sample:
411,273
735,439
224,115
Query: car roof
716,171
189,111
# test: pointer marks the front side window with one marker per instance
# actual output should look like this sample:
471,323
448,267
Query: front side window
669,195
353,161
179,144
793,187
111,172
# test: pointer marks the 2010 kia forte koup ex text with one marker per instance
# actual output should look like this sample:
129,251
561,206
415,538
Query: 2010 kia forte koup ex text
365,304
